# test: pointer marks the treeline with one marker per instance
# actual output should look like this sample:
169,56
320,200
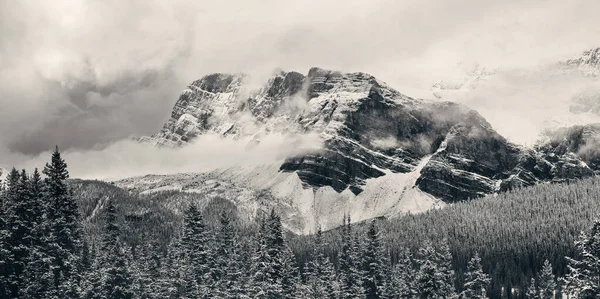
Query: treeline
513,233
121,246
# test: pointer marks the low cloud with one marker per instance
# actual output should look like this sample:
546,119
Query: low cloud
128,158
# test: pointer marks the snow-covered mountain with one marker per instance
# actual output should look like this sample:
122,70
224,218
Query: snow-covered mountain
384,153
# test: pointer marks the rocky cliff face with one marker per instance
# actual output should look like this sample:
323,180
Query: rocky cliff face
373,132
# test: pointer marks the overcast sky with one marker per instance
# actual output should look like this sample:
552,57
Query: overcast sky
85,73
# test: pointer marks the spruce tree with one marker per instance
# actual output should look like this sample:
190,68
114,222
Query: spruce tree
434,279
547,281
321,273
5,236
229,269
375,264
197,257
583,277
64,228
262,284
532,291
38,270
114,279
476,281
402,276
350,278
17,251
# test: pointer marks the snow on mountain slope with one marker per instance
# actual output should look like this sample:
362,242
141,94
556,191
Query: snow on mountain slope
383,154
303,209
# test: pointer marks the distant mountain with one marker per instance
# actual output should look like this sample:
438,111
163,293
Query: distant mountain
384,153
588,63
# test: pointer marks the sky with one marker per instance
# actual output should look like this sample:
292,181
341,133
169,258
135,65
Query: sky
88,74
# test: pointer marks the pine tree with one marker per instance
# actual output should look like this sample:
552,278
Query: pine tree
434,279
38,270
115,279
532,291
583,277
262,284
375,264
229,270
64,228
444,262
547,281
5,236
16,252
197,257
402,276
150,276
476,281
290,276
350,278
321,273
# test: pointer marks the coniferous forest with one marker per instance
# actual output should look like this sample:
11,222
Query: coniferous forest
61,238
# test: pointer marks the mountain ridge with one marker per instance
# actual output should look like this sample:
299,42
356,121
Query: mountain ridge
435,151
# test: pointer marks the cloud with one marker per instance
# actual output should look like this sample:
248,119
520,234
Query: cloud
85,74
128,158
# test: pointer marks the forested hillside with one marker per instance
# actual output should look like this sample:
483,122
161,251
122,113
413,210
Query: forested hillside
89,239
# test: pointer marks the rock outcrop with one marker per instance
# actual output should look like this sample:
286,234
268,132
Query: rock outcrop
370,130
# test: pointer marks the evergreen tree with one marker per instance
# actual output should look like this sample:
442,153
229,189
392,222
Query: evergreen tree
350,278
532,291
290,276
375,264
197,257
434,279
115,278
402,276
229,270
5,236
583,277
151,275
38,270
262,284
15,227
547,281
321,273
64,228
476,281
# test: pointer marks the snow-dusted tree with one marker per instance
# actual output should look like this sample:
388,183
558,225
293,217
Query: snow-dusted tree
149,272
5,236
64,228
349,270
402,276
16,229
38,278
375,264
583,279
228,272
321,273
476,281
262,283
198,259
547,281
532,291
434,279
115,280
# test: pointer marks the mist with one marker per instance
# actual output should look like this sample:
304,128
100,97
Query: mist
87,75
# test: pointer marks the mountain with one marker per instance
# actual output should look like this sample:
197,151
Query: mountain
384,153
588,63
